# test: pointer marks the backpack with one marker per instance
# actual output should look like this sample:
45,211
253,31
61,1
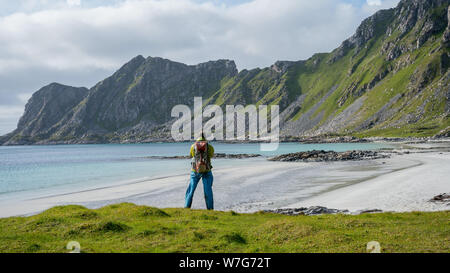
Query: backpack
200,162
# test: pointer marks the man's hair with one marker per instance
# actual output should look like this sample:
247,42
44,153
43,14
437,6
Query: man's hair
201,138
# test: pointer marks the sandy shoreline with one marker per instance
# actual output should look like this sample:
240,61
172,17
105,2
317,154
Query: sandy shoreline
400,183
408,189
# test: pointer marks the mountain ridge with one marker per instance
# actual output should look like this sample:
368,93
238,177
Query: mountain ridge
388,79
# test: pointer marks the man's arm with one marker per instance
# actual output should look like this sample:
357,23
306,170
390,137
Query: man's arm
191,153
210,151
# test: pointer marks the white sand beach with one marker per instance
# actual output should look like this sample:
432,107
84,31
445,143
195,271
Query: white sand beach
408,189
400,183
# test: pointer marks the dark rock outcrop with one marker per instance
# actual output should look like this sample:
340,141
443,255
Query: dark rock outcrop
369,211
216,155
281,66
317,156
409,12
446,36
314,210
441,198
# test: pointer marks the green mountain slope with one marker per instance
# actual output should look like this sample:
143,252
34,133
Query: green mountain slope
389,79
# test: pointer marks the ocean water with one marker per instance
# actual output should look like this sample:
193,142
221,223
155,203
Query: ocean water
31,171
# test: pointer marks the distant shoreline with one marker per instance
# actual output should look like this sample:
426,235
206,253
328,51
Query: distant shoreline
303,140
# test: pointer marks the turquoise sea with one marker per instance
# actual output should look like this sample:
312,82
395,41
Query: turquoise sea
29,171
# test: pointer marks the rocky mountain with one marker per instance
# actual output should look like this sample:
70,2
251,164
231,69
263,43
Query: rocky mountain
132,103
46,108
389,79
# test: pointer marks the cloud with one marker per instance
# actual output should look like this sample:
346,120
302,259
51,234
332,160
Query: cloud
256,33
374,2
79,45
372,6
73,2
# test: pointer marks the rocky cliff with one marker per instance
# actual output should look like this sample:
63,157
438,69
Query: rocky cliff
44,111
389,79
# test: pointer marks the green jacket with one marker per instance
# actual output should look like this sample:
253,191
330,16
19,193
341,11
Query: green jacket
210,153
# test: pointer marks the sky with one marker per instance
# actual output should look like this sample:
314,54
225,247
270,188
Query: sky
81,42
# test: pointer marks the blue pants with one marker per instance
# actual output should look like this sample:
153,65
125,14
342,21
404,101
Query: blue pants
207,179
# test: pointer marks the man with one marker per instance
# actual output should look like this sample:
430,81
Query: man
201,154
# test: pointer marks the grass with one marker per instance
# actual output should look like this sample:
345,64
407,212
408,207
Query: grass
130,228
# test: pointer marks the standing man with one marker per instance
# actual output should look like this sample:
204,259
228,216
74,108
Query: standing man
201,154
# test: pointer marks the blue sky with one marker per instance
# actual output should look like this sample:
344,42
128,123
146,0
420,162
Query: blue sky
80,42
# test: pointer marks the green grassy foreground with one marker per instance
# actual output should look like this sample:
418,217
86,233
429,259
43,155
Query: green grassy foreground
131,228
